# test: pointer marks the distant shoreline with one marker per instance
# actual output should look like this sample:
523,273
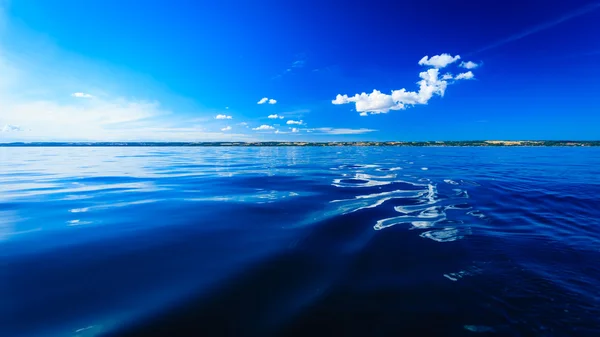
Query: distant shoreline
483,143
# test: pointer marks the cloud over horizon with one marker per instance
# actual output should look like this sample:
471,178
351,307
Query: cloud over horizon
81,95
223,117
263,127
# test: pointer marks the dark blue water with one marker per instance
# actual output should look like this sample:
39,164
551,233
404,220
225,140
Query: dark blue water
350,241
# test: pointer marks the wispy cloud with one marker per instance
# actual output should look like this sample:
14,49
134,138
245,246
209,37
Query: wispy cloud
546,25
227,128
223,117
81,95
293,122
275,116
430,85
341,131
11,128
263,128
300,62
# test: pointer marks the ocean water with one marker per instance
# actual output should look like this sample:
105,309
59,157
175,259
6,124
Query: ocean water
336,241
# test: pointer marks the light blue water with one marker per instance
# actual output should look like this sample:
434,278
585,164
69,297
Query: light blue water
298,241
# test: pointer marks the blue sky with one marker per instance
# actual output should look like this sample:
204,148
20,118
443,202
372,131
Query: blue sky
195,70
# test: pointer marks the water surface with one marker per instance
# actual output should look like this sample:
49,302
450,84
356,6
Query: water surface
348,241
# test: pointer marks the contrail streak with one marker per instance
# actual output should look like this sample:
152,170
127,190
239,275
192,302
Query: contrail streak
541,27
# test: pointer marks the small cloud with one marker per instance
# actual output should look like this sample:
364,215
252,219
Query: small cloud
465,76
293,122
81,95
223,117
227,128
447,76
11,128
468,65
266,100
294,130
275,116
439,61
363,114
263,127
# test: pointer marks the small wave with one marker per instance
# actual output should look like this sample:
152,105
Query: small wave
447,234
358,183
451,182
454,277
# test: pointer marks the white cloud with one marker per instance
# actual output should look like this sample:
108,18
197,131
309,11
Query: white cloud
223,117
363,114
81,95
465,76
227,128
468,65
293,122
275,116
263,127
44,91
294,130
267,100
11,128
439,61
378,102
430,85
341,131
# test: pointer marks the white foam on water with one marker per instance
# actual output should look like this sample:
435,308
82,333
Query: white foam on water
477,214
373,200
424,168
422,224
369,176
479,328
77,222
432,214
367,183
447,234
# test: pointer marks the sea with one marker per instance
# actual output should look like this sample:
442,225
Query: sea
299,241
